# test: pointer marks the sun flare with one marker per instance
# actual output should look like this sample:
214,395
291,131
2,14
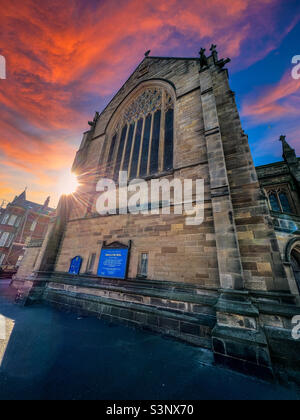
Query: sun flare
68,184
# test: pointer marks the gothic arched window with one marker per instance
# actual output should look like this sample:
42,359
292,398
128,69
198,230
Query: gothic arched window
142,142
274,203
280,201
284,201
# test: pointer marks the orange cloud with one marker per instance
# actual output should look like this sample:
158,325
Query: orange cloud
275,101
63,62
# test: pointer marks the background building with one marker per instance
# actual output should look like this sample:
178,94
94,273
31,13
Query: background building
227,284
21,222
280,182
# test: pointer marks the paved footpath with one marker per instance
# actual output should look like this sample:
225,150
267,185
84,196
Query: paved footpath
49,354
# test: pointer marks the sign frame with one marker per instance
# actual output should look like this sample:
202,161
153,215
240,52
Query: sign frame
79,259
117,246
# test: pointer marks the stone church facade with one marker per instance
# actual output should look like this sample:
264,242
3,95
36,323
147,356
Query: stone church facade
224,284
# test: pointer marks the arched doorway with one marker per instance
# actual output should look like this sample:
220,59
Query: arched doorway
295,261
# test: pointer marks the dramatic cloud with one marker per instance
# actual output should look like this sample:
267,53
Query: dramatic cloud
276,106
64,61
275,101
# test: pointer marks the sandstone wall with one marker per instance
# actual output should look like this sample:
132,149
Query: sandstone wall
28,262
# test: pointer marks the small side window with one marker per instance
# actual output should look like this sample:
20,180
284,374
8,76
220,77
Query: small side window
143,265
91,264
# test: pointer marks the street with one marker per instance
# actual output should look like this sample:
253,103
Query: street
49,354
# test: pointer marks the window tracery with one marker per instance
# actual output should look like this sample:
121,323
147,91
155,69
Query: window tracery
142,141
280,200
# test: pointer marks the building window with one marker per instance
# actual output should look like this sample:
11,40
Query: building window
155,143
91,264
10,240
6,239
280,200
169,143
12,220
143,136
18,221
143,265
128,147
120,153
284,201
274,203
136,149
2,256
146,142
5,219
33,226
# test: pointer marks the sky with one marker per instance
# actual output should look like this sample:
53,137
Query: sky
66,60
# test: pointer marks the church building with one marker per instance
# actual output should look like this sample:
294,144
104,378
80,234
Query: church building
229,284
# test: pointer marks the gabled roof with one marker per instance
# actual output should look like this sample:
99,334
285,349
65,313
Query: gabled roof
38,208
21,201
145,59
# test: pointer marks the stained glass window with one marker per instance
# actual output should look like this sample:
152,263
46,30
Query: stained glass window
155,143
120,153
136,149
286,207
274,202
145,149
143,123
128,147
168,152
279,200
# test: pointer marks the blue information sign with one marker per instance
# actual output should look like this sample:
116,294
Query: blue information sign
75,265
113,263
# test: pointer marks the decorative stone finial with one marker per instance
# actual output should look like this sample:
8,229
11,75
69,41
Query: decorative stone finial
288,153
282,138
213,48
214,53
47,202
147,53
94,122
203,58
